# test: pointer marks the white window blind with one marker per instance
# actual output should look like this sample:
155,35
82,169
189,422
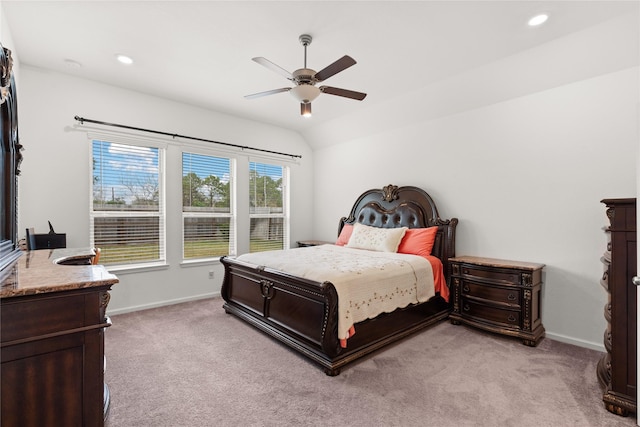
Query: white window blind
267,207
208,222
127,209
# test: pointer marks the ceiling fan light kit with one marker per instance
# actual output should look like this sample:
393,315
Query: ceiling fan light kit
305,109
305,93
305,79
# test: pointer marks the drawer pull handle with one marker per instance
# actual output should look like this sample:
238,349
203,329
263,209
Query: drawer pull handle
511,297
511,318
466,307
465,288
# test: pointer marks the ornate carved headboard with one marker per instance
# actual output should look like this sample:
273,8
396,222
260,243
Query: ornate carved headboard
407,206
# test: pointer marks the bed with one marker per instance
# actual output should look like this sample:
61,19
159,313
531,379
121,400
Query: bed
304,313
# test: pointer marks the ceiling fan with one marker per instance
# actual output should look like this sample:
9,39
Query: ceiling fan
305,80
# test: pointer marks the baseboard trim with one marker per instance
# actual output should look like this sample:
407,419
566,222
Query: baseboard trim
161,303
580,343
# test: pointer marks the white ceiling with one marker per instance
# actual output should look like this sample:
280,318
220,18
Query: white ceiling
199,52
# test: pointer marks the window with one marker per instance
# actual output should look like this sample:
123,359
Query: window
208,222
127,212
267,207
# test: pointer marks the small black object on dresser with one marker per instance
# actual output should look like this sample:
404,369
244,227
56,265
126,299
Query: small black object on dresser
498,296
306,243
617,368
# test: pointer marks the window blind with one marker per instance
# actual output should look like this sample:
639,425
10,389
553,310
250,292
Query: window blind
127,211
208,223
267,213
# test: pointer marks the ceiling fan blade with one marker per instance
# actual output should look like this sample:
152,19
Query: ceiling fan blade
273,67
340,65
343,92
268,92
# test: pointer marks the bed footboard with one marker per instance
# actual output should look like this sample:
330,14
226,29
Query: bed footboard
299,312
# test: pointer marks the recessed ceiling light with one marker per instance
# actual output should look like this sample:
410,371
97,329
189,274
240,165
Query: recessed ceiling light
538,20
124,59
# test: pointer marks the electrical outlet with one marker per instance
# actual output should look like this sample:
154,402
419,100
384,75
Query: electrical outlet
211,274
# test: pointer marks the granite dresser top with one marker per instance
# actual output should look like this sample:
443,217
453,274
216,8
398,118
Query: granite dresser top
40,271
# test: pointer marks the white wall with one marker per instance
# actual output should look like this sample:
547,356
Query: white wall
55,173
523,171
524,175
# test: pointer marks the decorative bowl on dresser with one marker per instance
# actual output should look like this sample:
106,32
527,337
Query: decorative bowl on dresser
498,296
617,368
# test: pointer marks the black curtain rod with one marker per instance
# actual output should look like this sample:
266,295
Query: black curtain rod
82,120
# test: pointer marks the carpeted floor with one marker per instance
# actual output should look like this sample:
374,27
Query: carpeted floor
192,364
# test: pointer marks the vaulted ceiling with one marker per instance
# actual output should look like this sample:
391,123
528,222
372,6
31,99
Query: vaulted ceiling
199,52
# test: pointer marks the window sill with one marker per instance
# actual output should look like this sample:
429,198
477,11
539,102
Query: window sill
137,268
199,262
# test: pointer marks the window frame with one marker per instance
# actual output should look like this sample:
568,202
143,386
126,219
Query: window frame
161,213
232,215
286,232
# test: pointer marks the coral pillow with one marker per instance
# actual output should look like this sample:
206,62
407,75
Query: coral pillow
375,238
343,238
418,241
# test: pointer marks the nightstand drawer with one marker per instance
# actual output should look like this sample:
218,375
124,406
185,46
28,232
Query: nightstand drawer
492,274
509,296
503,316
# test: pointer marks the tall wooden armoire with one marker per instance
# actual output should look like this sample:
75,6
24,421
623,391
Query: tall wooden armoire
617,368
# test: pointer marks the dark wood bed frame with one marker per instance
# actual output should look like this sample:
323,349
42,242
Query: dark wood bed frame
303,314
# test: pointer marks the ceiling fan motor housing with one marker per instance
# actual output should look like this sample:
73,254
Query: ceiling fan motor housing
304,76
305,90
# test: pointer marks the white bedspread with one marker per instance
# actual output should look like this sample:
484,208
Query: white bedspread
368,283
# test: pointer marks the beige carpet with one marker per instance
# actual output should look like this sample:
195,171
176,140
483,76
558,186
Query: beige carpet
194,365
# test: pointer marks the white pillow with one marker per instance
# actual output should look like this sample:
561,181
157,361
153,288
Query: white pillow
375,238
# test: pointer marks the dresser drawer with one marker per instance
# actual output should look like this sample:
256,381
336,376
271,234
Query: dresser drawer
496,315
505,276
40,315
509,296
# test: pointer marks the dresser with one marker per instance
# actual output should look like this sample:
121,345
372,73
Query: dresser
617,368
498,296
52,322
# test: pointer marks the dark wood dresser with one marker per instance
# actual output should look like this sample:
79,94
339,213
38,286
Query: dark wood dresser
498,296
617,368
52,340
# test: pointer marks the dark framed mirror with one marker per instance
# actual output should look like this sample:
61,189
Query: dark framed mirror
10,162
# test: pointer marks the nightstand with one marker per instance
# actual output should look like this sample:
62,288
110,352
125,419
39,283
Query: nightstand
498,296
305,243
